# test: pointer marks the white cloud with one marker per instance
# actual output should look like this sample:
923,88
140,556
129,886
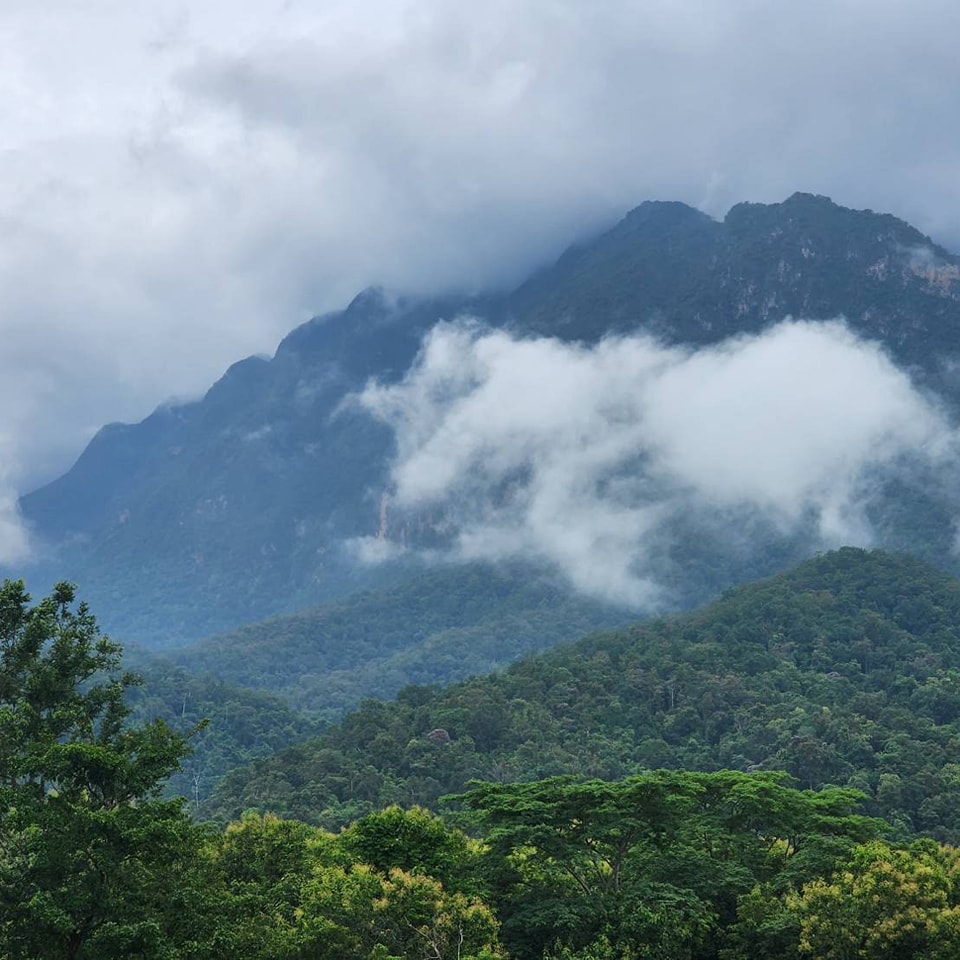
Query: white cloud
15,543
585,456
15,546
183,183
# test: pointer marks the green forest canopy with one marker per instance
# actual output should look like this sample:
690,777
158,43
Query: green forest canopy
844,672
672,864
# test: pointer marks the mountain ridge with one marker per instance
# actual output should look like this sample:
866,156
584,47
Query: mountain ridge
242,505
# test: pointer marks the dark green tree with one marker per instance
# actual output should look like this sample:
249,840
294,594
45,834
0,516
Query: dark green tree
417,841
92,864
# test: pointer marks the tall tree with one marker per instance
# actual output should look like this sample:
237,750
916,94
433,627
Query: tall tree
92,863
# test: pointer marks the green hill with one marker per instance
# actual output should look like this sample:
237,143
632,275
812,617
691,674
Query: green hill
441,625
271,684
844,671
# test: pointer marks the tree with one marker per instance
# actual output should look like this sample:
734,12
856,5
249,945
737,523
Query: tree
562,857
294,891
416,841
357,912
264,862
92,864
654,864
885,902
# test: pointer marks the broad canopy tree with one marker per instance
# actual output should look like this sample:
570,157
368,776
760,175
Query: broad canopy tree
653,865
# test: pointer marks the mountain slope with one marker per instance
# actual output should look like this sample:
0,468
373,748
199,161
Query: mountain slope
274,683
228,725
223,511
844,671
244,504
440,625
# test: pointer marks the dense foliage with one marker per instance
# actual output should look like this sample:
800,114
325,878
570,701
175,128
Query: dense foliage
269,685
845,671
231,725
669,864
443,624
85,848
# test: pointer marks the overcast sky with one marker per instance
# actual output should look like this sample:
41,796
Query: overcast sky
181,183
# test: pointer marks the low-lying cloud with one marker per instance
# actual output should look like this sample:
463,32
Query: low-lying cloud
14,539
588,457
15,543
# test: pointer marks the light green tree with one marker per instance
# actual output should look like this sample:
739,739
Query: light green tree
884,903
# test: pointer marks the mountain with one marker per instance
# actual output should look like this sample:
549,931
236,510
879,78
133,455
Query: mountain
219,512
843,671
246,503
695,280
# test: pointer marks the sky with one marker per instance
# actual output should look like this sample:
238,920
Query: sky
182,183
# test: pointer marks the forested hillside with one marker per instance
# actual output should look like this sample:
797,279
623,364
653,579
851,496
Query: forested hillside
446,623
271,684
845,671
677,865
227,725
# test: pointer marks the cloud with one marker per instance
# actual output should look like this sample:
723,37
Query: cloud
15,541
15,546
181,185
590,457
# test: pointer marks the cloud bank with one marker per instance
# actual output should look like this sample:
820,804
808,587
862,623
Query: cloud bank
182,183
589,458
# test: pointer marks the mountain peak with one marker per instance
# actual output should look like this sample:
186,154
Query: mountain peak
660,212
818,213
801,199
799,204
371,300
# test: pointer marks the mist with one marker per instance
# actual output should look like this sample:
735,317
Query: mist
591,458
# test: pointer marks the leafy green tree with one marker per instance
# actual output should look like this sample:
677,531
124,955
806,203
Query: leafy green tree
293,891
358,912
765,927
654,864
417,841
264,863
884,903
562,854
91,863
